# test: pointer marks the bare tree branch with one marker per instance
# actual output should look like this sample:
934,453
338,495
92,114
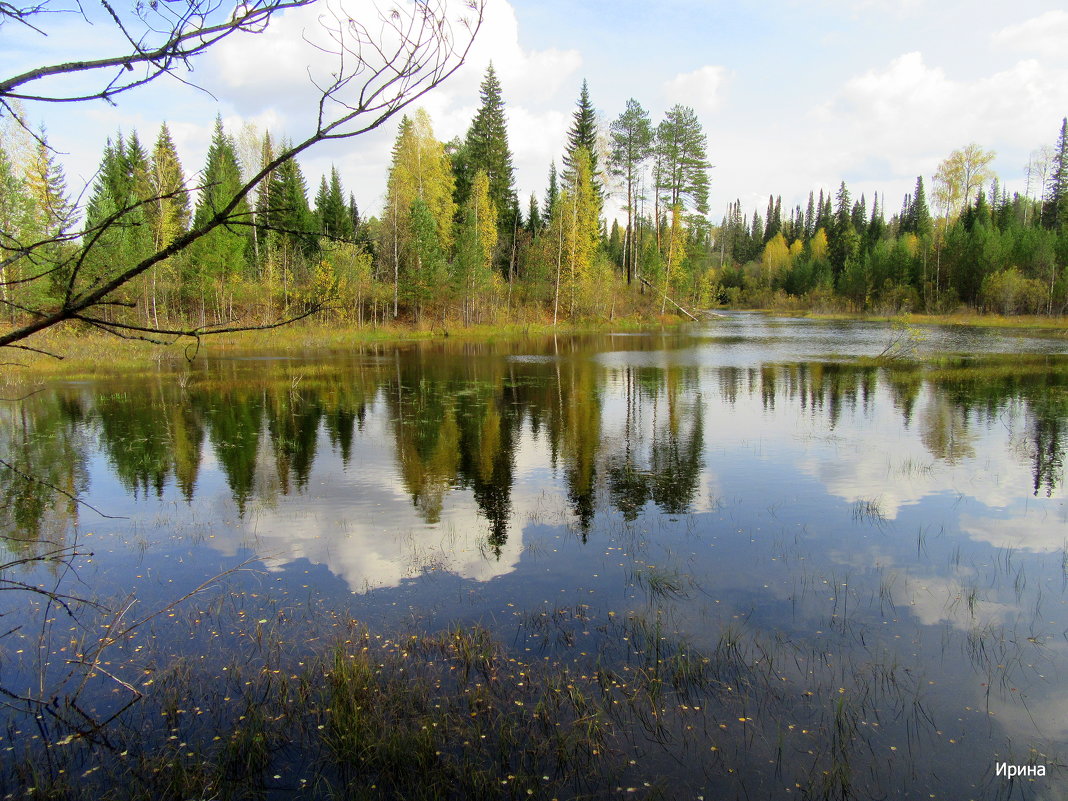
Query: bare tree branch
379,73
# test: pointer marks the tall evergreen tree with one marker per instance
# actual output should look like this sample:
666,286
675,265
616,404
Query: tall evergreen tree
1055,209
632,145
583,135
681,161
534,219
222,254
331,211
168,211
420,170
916,218
552,193
116,223
52,211
289,214
844,244
486,148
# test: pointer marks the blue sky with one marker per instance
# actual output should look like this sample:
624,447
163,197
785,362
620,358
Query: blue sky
793,95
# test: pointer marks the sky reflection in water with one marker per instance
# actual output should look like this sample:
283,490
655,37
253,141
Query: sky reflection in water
750,476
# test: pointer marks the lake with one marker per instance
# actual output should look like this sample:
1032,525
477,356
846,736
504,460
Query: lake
775,565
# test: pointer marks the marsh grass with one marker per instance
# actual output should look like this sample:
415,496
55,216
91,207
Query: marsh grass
89,353
296,704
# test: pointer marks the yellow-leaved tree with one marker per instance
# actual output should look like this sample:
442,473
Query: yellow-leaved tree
420,171
579,227
476,239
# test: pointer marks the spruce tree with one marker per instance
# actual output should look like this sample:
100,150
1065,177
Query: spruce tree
486,148
331,211
117,230
919,213
289,215
583,134
168,212
553,192
1055,209
222,253
534,221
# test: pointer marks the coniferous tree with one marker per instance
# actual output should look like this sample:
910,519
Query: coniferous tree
52,211
583,135
168,211
682,163
331,211
167,214
843,241
1055,209
420,170
221,255
552,193
289,214
534,220
917,218
116,223
16,233
486,149
632,143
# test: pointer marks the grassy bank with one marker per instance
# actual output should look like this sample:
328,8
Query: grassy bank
972,319
86,352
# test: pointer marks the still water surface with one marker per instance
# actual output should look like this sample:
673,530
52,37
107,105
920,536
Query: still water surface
882,549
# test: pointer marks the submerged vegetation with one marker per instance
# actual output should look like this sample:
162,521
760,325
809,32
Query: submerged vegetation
657,639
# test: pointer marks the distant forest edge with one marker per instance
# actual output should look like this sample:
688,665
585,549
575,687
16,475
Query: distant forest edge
455,246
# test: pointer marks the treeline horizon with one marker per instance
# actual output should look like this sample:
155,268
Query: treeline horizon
455,246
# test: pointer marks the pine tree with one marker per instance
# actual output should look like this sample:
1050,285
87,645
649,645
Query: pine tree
632,145
681,161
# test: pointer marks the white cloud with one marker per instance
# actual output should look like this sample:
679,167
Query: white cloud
908,115
701,89
1043,35
1038,529
271,75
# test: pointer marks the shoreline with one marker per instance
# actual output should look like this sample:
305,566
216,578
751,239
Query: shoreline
92,354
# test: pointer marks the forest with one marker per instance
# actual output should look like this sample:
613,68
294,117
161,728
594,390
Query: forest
455,246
